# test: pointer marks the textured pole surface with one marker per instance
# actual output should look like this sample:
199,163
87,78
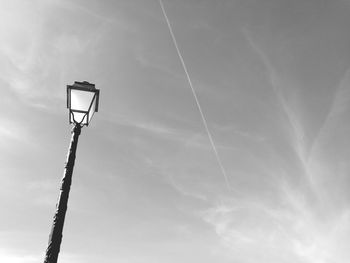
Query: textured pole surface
55,239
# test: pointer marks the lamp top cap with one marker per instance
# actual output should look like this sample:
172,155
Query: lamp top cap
84,84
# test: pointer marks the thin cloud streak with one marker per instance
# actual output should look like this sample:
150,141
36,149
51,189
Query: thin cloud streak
183,192
195,97
298,134
339,105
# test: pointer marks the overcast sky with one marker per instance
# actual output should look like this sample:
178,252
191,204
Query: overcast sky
273,81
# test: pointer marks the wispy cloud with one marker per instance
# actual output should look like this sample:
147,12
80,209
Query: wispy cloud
169,177
250,230
303,227
155,128
36,59
188,137
298,135
240,133
21,45
184,192
294,232
340,105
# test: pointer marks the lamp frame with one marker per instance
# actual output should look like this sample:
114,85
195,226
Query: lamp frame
87,87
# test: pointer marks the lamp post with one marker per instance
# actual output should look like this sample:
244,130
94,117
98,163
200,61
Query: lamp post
82,102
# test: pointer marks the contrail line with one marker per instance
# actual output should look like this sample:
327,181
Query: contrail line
195,96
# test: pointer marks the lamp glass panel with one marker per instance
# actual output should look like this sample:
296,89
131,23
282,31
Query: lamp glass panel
92,109
81,99
78,117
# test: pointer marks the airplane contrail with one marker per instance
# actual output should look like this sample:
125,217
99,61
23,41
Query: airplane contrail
195,96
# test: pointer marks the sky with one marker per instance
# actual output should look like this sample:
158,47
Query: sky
272,79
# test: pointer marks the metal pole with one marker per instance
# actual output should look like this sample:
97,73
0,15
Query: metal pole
55,238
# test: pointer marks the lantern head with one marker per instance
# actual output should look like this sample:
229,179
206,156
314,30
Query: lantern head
82,102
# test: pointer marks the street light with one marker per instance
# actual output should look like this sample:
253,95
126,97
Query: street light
82,102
